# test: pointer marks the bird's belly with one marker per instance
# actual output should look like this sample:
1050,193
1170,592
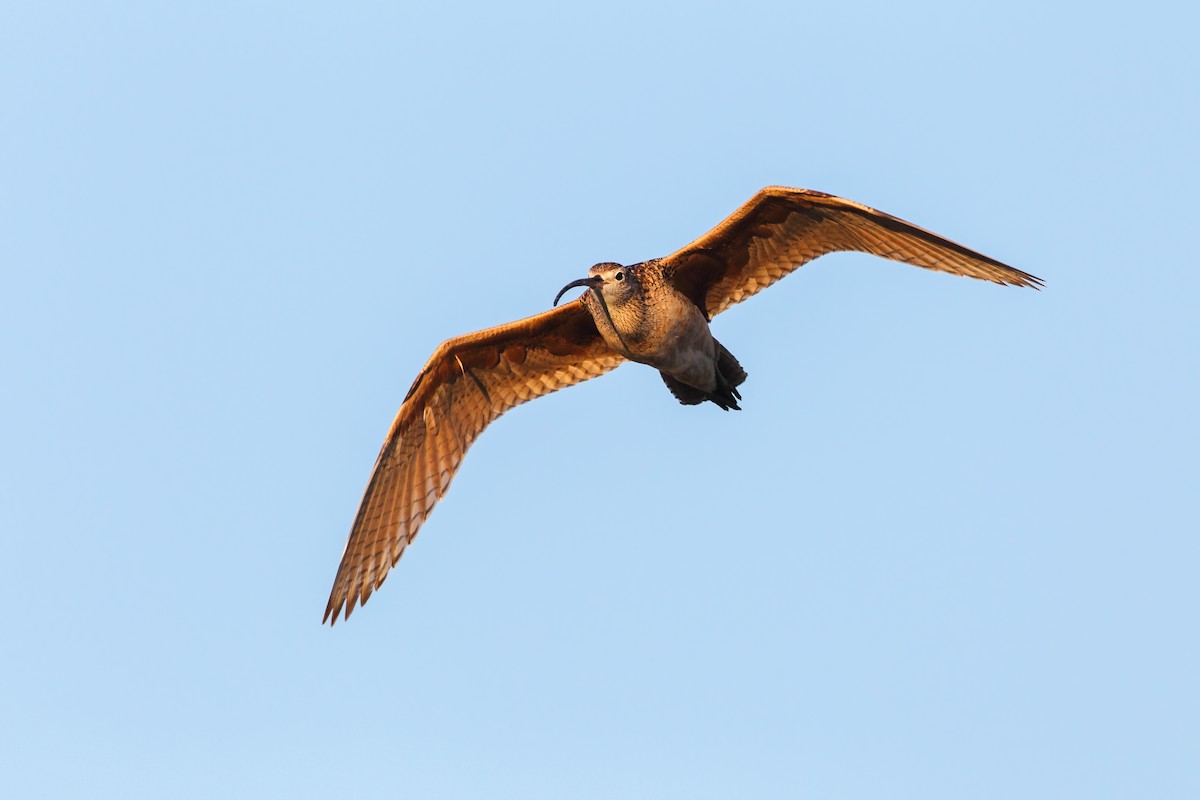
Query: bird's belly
683,346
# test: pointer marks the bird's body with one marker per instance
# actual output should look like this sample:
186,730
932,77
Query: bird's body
644,318
656,313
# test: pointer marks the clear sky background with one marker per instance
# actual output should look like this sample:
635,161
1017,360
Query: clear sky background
949,549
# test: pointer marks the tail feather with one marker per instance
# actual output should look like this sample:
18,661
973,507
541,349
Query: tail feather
730,375
687,395
729,367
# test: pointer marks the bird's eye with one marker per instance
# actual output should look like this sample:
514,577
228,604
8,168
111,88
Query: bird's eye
620,276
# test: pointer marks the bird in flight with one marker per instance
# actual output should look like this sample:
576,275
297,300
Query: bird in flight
656,313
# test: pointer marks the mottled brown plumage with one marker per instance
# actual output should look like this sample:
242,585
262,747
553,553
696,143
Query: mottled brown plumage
656,313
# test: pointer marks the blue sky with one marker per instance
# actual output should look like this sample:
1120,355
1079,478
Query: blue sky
949,548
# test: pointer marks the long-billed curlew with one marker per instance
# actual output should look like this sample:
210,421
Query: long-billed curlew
656,313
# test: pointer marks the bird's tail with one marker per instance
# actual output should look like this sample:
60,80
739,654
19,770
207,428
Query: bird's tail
730,375
729,368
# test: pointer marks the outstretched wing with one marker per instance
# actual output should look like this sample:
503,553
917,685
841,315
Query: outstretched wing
781,229
467,383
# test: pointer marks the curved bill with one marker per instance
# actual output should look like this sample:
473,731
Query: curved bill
594,284
586,282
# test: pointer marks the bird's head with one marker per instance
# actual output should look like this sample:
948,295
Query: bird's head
613,284
615,300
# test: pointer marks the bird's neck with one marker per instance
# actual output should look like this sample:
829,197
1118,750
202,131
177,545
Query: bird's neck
623,326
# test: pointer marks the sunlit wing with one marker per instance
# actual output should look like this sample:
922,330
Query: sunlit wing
781,229
467,383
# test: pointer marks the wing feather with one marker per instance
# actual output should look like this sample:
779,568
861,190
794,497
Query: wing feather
781,229
467,383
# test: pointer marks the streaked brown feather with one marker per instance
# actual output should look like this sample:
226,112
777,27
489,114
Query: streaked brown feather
781,229
467,383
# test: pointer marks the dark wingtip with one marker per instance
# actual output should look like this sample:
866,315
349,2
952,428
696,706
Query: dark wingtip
334,610
1019,278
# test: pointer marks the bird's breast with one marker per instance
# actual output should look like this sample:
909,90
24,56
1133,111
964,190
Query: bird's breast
663,329
674,324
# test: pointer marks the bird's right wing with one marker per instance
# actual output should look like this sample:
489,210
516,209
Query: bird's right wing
468,382
781,229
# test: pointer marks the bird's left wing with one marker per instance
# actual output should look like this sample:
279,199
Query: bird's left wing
468,382
781,229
